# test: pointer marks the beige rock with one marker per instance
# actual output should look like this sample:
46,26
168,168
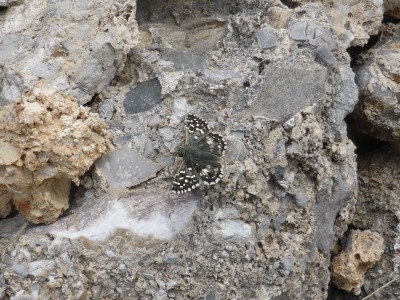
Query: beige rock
355,21
348,268
5,204
58,140
46,202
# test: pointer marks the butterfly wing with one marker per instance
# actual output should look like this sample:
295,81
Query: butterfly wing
186,179
209,173
203,156
213,143
196,129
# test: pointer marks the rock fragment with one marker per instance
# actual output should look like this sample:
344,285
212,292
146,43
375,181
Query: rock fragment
378,76
125,167
50,141
143,97
348,268
287,90
266,38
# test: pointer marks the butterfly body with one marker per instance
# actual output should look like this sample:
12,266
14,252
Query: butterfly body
202,156
193,154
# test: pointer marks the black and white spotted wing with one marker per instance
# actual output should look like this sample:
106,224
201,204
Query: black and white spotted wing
186,180
203,156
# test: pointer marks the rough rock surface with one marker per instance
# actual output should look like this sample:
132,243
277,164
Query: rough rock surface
378,208
378,76
348,268
76,53
276,81
46,141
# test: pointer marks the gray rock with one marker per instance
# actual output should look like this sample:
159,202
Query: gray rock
143,97
287,90
329,204
325,55
300,199
218,76
125,167
20,269
210,296
266,38
314,34
278,221
106,110
236,150
287,263
184,61
79,60
378,112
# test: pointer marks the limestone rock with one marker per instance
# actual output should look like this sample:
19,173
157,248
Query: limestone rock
378,208
348,268
148,214
59,141
125,168
355,21
282,85
75,53
378,76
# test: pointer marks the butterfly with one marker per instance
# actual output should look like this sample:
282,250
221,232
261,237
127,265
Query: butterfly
203,156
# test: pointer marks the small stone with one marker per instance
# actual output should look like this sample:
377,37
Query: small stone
348,269
106,111
185,61
299,199
171,284
8,153
20,269
325,55
278,221
143,97
266,38
231,228
287,264
314,34
210,296
289,124
125,167
288,89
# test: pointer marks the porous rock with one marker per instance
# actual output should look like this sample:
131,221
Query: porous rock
348,268
378,76
76,53
59,141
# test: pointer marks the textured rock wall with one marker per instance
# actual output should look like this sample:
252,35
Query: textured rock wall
47,141
275,79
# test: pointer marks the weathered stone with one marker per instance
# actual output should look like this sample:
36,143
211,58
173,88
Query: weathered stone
392,8
266,38
143,97
184,61
125,167
147,214
355,21
378,209
314,34
59,141
5,203
378,112
46,202
325,55
218,76
8,153
363,250
287,90
79,60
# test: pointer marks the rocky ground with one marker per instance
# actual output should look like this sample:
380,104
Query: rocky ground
93,100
